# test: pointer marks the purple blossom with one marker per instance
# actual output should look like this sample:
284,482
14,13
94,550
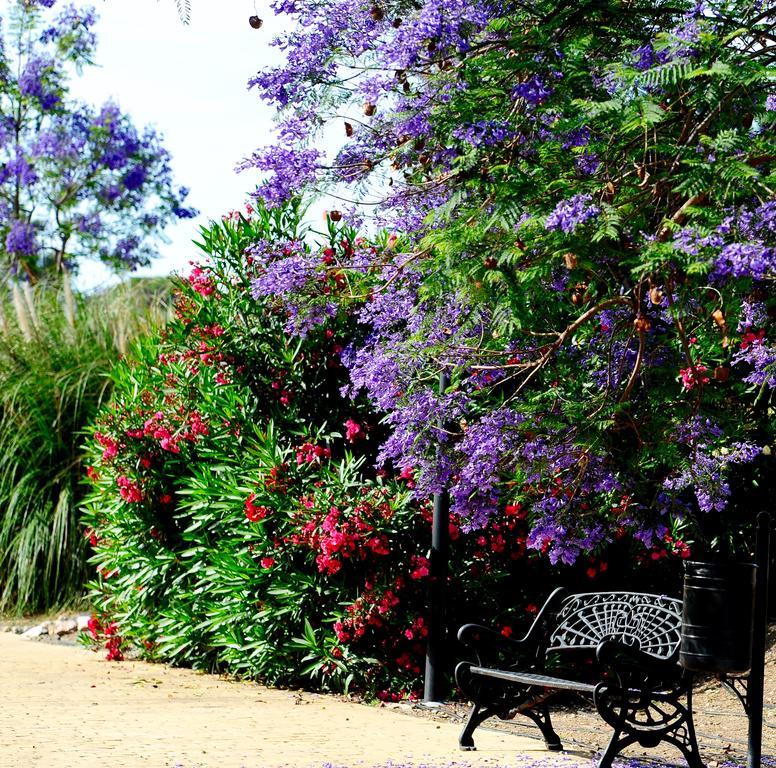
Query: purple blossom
534,91
579,137
285,276
489,451
705,472
588,163
485,133
449,23
761,358
20,239
290,168
745,260
569,214
691,241
644,57
72,30
754,314
35,81
89,224
770,102
134,178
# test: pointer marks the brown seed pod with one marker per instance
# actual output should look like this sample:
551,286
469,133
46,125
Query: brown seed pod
348,130
255,22
642,324
570,260
655,295
490,263
396,23
722,373
369,109
377,13
719,318
424,159
335,215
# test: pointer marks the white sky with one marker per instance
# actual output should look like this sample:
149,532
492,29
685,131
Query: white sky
190,83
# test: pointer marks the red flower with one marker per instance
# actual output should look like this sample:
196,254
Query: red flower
750,338
94,627
254,512
506,631
201,282
267,562
128,490
354,431
691,377
92,474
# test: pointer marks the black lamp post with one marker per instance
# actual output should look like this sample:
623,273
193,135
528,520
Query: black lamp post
436,662
754,691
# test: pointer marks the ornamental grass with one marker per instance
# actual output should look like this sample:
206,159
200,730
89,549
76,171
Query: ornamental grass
56,349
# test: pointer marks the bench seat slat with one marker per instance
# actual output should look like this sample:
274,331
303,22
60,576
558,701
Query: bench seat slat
541,681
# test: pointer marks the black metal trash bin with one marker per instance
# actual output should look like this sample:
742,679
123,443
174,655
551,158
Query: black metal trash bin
717,617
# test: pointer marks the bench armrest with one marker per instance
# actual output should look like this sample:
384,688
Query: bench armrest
486,639
619,656
476,636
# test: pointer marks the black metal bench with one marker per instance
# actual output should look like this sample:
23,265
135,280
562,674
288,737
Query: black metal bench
620,648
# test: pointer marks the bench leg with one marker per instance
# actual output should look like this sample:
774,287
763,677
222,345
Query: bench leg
477,715
684,739
541,716
617,743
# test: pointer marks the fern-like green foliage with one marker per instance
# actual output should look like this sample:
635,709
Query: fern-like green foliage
184,10
56,350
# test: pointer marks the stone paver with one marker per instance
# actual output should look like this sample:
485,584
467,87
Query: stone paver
67,706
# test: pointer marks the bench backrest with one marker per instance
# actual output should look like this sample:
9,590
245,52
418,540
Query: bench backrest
650,623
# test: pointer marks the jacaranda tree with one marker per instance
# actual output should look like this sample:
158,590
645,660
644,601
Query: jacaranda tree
75,182
583,194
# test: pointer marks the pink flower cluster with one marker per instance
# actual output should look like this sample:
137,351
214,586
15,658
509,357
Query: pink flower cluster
110,446
354,431
129,490
160,428
109,633
371,609
254,512
311,454
337,537
201,282
694,375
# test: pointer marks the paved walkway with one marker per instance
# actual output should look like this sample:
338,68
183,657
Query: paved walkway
62,705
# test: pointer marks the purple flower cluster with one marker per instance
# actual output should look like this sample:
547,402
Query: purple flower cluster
290,170
20,239
72,31
488,452
569,214
533,91
285,276
485,133
705,473
36,81
761,360
745,260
